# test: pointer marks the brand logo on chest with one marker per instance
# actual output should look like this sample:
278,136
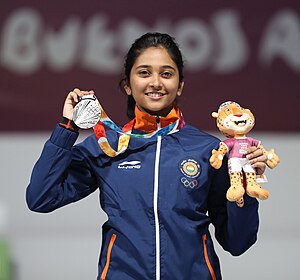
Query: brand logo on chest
134,164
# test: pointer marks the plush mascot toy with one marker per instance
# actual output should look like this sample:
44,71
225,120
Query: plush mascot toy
235,122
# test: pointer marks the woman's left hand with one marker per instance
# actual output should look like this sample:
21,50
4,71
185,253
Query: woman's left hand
257,159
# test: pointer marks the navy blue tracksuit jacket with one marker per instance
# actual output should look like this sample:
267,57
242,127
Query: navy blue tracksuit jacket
160,197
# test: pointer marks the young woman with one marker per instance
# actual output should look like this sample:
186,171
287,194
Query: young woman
161,193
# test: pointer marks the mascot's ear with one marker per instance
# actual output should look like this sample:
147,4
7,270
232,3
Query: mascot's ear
214,114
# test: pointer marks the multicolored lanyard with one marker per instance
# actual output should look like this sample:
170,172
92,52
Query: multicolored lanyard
126,133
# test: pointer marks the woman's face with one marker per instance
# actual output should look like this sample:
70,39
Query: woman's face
154,81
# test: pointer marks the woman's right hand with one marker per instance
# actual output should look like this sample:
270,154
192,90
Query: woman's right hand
71,100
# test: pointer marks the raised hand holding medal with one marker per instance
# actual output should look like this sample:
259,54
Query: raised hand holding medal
72,99
86,112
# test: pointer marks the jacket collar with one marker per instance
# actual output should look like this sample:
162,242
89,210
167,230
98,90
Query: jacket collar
148,123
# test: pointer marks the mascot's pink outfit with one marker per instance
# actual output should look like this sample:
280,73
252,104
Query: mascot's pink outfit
237,148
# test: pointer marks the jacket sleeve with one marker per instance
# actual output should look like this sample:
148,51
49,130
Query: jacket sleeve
61,175
235,228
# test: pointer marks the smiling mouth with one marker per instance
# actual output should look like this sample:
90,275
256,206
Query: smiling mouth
240,123
154,94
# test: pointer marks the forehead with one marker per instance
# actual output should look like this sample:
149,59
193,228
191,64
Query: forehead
231,106
155,56
228,109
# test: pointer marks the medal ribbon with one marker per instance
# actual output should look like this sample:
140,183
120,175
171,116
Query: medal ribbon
126,133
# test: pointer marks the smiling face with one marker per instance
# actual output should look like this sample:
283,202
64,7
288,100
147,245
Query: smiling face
234,121
154,81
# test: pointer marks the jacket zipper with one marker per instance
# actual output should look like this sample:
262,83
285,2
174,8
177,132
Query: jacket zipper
155,203
110,246
208,263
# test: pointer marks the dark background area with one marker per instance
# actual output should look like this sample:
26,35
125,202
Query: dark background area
225,44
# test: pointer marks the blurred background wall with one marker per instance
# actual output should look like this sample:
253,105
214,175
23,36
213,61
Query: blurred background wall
248,52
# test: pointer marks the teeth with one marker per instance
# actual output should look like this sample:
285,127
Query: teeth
240,122
154,94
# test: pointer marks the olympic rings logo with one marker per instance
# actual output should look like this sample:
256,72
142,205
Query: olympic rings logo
189,184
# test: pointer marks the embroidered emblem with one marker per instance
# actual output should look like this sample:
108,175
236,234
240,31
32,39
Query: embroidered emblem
190,168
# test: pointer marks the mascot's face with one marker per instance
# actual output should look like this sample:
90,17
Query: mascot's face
233,120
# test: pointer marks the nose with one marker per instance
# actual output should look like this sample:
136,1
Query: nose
155,82
237,112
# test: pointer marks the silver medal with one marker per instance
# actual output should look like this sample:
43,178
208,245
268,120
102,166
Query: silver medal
87,112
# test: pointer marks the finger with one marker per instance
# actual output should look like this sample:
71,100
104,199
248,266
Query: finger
85,92
73,96
80,92
259,167
76,93
251,149
262,158
254,153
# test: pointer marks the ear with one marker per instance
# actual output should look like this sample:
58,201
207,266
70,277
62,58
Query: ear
180,88
127,89
214,114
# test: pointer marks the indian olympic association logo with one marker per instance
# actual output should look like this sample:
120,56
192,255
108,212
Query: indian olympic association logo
191,169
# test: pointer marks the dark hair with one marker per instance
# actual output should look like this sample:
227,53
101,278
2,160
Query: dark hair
144,42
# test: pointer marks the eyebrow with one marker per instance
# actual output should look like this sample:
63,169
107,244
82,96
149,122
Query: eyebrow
163,66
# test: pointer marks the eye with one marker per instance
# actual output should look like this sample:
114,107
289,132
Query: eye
144,73
167,74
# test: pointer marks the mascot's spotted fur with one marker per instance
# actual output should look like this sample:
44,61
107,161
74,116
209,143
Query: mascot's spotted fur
235,122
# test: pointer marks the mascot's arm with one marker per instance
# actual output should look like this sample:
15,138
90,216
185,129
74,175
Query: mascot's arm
217,156
273,159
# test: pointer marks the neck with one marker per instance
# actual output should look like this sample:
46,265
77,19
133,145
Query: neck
162,113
